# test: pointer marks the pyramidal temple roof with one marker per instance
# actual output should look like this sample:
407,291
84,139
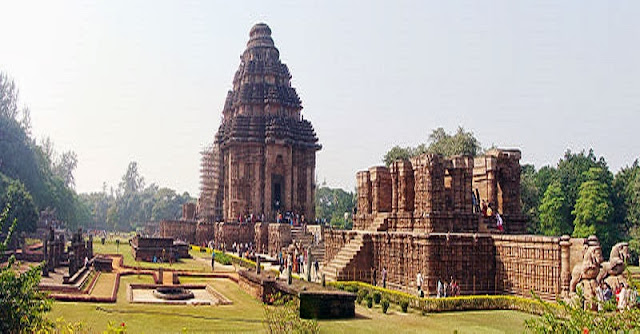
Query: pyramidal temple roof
262,106
262,81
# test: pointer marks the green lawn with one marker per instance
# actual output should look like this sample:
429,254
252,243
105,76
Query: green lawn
245,315
124,249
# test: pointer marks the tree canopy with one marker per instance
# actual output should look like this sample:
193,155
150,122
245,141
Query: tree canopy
440,142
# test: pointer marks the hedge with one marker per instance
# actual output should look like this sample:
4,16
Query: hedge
226,258
459,303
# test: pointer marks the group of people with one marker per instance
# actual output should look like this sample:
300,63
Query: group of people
625,296
374,276
444,289
291,218
487,210
297,262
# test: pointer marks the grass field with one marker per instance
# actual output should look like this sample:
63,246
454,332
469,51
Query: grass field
246,314
124,249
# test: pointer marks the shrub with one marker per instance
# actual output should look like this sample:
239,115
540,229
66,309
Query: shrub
362,294
284,317
369,302
351,288
385,305
377,297
404,305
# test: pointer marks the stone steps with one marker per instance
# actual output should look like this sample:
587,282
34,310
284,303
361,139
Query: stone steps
337,267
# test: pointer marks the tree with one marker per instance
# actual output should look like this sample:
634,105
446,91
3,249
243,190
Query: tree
440,142
131,182
24,210
65,166
461,143
22,305
331,205
397,153
552,209
571,174
530,197
593,209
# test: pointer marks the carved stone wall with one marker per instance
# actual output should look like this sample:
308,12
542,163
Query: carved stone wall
480,263
279,237
228,233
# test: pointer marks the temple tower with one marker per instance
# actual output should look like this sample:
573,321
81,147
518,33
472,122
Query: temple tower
265,149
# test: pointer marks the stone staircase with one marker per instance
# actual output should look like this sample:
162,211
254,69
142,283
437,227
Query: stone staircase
379,223
306,239
337,268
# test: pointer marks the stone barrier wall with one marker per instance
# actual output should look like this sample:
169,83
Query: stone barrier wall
480,263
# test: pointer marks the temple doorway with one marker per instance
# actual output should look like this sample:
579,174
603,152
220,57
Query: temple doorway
277,185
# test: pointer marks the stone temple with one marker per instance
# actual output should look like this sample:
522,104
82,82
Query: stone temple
415,216
263,157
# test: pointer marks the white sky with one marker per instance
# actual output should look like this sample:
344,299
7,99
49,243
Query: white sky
145,81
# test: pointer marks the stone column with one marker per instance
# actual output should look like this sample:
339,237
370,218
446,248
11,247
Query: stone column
565,270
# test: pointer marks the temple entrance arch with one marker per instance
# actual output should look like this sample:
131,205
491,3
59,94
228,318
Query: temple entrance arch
277,190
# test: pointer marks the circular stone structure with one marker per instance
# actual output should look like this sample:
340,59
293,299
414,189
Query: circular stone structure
172,293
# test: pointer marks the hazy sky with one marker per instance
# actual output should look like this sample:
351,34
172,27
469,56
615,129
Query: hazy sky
145,81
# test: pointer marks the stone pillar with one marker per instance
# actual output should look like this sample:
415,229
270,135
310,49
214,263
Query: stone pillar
395,189
380,189
363,183
45,266
565,270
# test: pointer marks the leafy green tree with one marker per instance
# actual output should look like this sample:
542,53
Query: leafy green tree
552,209
571,174
461,143
24,210
332,203
593,209
397,153
530,197
22,305
440,142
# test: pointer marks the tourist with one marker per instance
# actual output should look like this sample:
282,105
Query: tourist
474,202
419,283
485,207
445,289
477,201
440,289
373,276
86,262
489,211
213,259
600,296
623,298
384,277
316,265
608,293
499,222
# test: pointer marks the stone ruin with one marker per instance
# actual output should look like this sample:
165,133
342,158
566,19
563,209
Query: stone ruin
417,216
54,254
261,162
162,249
263,157
593,270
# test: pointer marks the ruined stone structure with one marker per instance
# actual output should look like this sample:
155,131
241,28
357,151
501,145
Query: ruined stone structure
165,249
417,216
263,157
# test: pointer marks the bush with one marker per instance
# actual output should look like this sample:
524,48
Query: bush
385,305
362,294
404,305
369,302
284,317
460,303
351,288
377,297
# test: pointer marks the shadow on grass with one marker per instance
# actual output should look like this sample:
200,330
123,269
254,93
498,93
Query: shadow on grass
182,315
